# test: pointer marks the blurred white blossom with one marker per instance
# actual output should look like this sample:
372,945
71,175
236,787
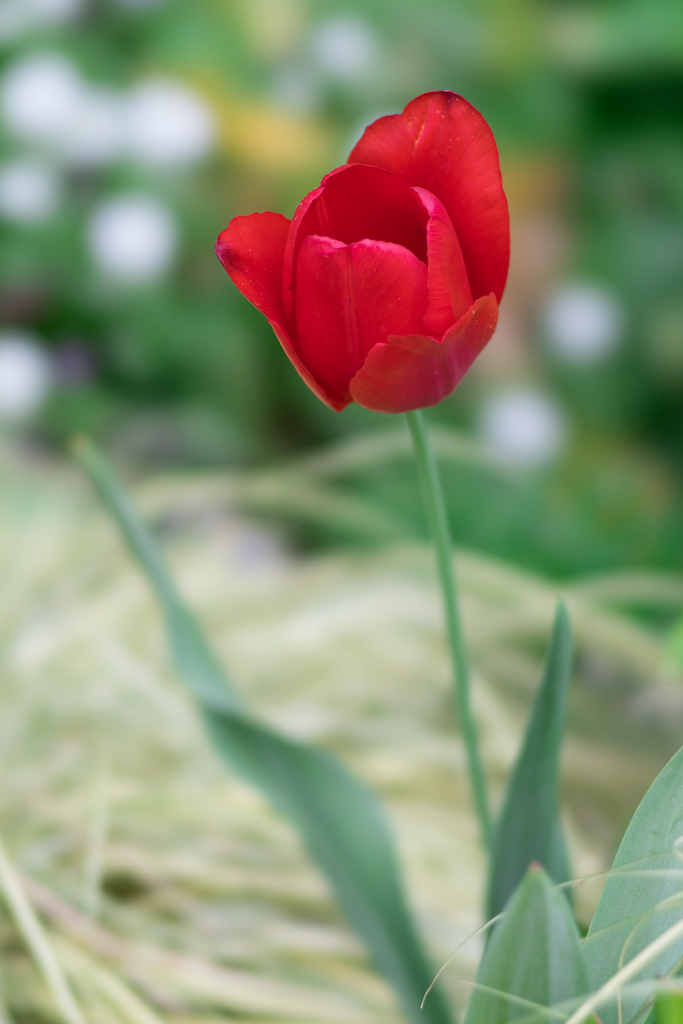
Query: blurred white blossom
30,191
523,426
132,238
96,135
583,322
19,16
54,12
25,375
345,48
12,20
167,123
159,123
40,96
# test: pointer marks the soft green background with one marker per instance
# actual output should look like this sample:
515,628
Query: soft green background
585,100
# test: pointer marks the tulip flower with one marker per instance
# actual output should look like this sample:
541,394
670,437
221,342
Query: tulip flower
384,287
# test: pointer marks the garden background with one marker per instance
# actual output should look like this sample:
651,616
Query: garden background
131,132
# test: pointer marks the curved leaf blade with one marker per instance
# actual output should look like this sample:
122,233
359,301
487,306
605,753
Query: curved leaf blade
534,959
339,819
529,826
643,895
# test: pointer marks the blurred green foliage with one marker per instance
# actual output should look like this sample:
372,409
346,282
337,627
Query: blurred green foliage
585,100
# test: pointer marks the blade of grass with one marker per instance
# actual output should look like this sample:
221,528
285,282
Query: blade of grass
127,1004
37,942
97,835
529,826
640,965
339,820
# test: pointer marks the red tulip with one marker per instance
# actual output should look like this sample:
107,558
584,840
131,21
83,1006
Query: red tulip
384,287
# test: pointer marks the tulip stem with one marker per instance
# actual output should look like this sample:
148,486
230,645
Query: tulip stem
435,509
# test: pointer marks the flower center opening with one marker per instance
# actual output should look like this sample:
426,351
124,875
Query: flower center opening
359,202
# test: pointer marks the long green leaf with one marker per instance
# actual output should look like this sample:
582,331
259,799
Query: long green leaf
533,960
529,826
643,895
339,819
674,645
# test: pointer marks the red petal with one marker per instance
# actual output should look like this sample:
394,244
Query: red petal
292,247
252,250
413,372
351,204
450,294
350,298
443,144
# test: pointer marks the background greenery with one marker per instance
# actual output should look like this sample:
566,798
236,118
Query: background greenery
585,101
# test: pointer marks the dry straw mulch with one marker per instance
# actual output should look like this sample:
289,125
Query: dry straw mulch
164,888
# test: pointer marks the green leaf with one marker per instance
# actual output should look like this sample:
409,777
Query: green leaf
643,895
529,826
674,645
339,819
668,1008
533,960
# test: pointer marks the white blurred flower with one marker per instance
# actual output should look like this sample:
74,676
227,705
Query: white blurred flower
132,238
13,20
95,136
344,47
160,123
168,123
18,16
53,12
29,191
583,322
523,426
40,96
25,375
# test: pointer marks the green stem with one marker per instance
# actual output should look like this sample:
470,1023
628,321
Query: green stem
435,509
